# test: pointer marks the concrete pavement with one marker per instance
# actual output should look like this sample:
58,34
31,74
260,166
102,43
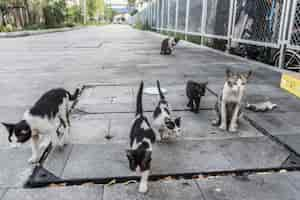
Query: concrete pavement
110,61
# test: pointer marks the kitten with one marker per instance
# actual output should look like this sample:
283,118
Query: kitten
164,125
141,139
40,119
168,45
194,92
228,106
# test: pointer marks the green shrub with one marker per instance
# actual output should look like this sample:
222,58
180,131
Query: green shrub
194,39
54,13
139,25
7,28
2,29
74,14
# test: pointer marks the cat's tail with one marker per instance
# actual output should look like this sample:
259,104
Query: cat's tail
139,100
161,94
217,121
73,97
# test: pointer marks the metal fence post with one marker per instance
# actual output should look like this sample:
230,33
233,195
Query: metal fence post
286,29
150,14
203,22
176,17
168,17
157,10
231,21
187,14
149,11
282,32
162,15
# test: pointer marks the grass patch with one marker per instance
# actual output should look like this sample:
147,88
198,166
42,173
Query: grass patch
194,39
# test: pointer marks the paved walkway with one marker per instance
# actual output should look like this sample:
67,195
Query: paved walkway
111,61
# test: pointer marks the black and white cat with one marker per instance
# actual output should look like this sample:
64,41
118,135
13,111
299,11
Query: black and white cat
40,120
195,91
141,139
229,103
164,125
168,45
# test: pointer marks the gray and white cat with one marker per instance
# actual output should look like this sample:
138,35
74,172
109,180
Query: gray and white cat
40,120
164,124
229,103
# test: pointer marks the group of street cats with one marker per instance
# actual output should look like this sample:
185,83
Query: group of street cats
40,120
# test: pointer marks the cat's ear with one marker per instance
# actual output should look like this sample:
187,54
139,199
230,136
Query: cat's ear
249,74
178,121
229,73
10,128
129,153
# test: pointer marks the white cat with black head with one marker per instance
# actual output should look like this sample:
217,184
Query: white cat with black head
141,139
40,120
164,124
229,104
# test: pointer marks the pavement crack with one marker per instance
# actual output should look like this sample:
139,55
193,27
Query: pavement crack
262,130
200,190
158,177
66,161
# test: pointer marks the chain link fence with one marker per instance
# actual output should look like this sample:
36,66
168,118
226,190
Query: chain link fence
217,18
181,15
261,23
154,15
195,16
294,32
172,14
257,20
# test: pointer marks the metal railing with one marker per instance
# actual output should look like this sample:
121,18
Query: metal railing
261,23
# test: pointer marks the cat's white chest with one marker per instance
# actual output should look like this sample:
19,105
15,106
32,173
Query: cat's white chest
43,124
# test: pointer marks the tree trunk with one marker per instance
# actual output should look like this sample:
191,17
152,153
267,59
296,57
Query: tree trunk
28,11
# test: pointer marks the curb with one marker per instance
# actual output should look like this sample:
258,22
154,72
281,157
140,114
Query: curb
39,32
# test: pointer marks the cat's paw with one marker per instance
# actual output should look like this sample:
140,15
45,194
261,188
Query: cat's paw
158,138
215,122
233,128
14,145
33,159
223,127
143,188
